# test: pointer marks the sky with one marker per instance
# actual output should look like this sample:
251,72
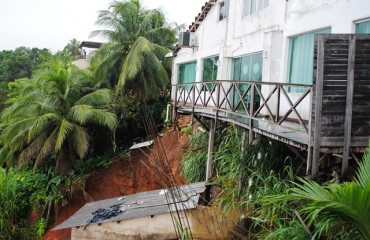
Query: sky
53,23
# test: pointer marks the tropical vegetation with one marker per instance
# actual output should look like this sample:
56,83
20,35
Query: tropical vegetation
134,57
73,48
59,123
274,202
337,209
53,113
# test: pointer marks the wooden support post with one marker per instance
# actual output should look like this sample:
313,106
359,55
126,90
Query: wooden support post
309,147
349,104
211,140
242,157
318,105
251,113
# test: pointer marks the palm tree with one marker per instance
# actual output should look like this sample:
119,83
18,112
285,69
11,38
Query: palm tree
337,207
138,39
53,114
73,47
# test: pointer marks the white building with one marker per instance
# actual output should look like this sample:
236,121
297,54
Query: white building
257,59
272,38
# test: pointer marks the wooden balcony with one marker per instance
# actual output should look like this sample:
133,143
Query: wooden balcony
265,108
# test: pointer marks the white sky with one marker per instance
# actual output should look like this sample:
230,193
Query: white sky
52,23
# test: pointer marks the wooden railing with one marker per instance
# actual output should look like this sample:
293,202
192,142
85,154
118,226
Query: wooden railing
267,101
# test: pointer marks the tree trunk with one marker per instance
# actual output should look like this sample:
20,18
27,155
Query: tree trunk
63,162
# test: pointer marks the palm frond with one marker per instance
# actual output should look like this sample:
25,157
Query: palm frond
80,140
97,98
79,113
32,149
64,128
329,206
103,118
15,128
363,174
47,148
141,58
41,124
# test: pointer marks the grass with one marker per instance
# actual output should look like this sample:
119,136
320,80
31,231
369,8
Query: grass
194,164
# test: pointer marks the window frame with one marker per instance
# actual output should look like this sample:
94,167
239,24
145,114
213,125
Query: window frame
259,5
226,9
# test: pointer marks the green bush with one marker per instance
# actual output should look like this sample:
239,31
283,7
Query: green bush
15,206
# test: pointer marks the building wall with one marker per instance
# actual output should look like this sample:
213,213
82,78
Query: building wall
204,221
268,31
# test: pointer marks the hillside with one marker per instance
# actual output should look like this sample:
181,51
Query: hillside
126,176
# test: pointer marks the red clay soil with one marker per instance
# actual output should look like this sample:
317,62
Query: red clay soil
129,175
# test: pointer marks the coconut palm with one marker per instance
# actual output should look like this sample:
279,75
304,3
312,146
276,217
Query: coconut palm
138,39
52,114
73,47
337,207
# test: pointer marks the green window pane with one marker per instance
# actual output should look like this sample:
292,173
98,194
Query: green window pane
210,69
245,68
256,67
363,27
301,58
187,72
236,68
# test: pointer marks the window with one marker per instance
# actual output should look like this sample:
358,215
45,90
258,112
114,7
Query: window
253,6
187,72
363,27
210,69
301,49
224,10
248,67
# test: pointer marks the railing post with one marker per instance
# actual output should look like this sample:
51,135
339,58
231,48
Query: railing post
193,86
218,85
174,105
277,104
233,85
251,113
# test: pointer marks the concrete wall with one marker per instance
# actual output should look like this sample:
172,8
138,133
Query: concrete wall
268,31
204,221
